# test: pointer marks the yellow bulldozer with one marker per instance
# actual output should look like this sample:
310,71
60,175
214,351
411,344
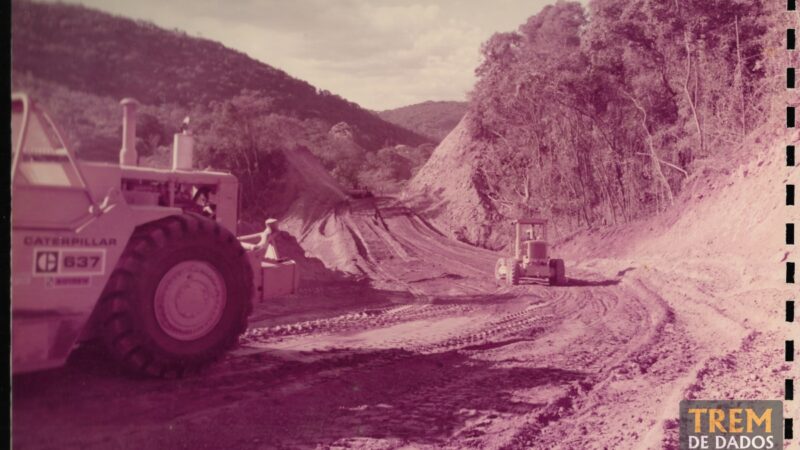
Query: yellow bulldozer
531,255
144,259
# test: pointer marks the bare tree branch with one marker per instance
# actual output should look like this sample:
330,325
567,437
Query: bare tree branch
655,160
668,164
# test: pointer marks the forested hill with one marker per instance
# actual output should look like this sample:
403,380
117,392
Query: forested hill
90,51
431,119
603,112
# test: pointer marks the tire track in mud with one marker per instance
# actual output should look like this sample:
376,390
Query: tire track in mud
525,319
592,350
476,348
367,319
373,319
649,377
613,357
381,252
605,331
464,397
528,323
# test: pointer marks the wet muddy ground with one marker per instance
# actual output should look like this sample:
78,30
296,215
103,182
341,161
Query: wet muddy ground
427,350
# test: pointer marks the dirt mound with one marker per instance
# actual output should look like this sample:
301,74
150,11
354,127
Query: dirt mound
735,215
311,190
310,198
331,234
447,191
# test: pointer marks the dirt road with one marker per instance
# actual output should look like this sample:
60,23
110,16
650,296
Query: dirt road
432,352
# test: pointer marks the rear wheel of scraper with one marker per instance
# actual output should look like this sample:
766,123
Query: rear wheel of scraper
500,269
557,272
178,298
512,272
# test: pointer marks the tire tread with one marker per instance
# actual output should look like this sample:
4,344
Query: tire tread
133,348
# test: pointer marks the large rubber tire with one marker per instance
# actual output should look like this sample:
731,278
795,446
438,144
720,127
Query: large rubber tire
166,257
558,272
512,272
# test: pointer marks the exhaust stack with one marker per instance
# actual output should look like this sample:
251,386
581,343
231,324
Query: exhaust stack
183,148
128,155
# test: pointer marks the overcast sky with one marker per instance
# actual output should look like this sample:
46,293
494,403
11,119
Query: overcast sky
380,54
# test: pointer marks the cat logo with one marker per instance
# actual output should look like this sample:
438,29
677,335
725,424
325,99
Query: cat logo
46,262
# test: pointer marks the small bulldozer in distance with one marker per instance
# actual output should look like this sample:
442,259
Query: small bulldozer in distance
143,259
531,256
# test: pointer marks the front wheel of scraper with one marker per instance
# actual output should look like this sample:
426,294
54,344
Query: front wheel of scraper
178,298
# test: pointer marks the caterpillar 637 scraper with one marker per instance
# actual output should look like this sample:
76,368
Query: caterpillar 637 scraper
144,259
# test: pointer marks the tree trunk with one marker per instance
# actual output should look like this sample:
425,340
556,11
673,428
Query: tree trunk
655,162
689,96
740,77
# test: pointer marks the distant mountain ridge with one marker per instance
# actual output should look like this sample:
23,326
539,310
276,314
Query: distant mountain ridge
432,119
110,56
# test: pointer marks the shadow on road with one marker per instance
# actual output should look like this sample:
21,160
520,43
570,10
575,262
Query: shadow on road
467,299
579,282
271,400
571,282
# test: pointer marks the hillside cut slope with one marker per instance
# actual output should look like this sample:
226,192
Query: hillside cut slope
733,216
447,191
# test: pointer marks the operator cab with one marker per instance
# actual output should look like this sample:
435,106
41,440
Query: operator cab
532,240
197,196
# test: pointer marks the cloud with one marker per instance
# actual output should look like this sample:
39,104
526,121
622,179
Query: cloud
380,54
398,17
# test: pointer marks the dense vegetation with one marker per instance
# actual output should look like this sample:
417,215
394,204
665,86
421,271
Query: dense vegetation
591,115
430,119
80,62
601,115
